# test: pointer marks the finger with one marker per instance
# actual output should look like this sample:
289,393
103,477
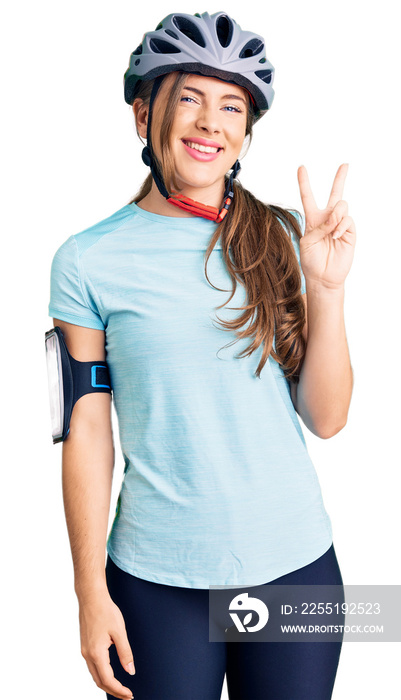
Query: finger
124,650
308,200
338,212
127,693
108,681
94,673
338,185
326,228
346,225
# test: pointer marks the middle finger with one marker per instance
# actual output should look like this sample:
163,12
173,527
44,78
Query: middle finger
338,186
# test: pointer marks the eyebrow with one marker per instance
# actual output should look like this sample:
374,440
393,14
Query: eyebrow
224,97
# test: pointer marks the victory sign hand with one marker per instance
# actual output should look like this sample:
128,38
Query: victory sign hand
327,246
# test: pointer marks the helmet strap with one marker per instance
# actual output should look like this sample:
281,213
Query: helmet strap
179,200
147,153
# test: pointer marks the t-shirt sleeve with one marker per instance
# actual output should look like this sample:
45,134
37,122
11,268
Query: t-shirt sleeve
69,300
295,243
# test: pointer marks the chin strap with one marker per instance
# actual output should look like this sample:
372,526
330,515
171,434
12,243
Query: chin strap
175,198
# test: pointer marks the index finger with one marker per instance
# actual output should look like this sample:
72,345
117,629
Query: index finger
338,186
308,200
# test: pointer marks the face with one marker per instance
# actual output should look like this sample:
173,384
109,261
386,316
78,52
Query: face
207,134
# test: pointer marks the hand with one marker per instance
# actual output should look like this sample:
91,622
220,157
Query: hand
101,625
327,247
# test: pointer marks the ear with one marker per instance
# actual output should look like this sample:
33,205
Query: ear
141,112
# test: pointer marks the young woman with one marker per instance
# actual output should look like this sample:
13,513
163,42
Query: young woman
218,486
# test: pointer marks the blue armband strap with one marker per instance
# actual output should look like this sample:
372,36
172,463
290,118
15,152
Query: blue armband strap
69,379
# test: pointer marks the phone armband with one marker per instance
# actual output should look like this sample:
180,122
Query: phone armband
69,379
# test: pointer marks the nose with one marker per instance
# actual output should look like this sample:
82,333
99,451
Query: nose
209,120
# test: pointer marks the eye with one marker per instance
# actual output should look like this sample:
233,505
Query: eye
236,109
187,97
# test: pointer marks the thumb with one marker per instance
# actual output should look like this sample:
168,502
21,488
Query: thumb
124,652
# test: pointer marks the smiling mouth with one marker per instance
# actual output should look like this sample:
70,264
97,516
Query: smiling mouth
200,147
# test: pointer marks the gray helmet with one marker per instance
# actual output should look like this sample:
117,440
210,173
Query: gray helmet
211,45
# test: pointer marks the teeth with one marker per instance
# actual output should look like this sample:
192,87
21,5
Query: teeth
199,147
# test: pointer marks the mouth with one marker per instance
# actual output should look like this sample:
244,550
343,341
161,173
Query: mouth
202,148
200,151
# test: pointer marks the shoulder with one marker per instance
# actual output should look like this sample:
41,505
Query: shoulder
292,222
94,234
300,220
78,243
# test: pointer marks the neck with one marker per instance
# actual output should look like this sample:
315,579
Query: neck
155,203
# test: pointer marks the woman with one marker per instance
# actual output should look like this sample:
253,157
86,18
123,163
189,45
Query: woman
218,485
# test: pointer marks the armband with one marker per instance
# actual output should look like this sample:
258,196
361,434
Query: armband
69,379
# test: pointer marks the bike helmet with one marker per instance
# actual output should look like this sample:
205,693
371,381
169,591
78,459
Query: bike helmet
210,45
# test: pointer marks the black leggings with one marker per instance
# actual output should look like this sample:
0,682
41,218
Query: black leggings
168,630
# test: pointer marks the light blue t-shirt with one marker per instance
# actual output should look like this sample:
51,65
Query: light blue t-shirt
218,486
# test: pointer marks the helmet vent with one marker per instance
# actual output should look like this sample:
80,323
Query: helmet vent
265,75
137,51
252,48
189,29
224,29
160,46
171,33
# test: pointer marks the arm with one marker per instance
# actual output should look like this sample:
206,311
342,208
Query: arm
87,474
87,469
323,395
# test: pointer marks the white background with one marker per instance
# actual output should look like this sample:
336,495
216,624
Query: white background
71,157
